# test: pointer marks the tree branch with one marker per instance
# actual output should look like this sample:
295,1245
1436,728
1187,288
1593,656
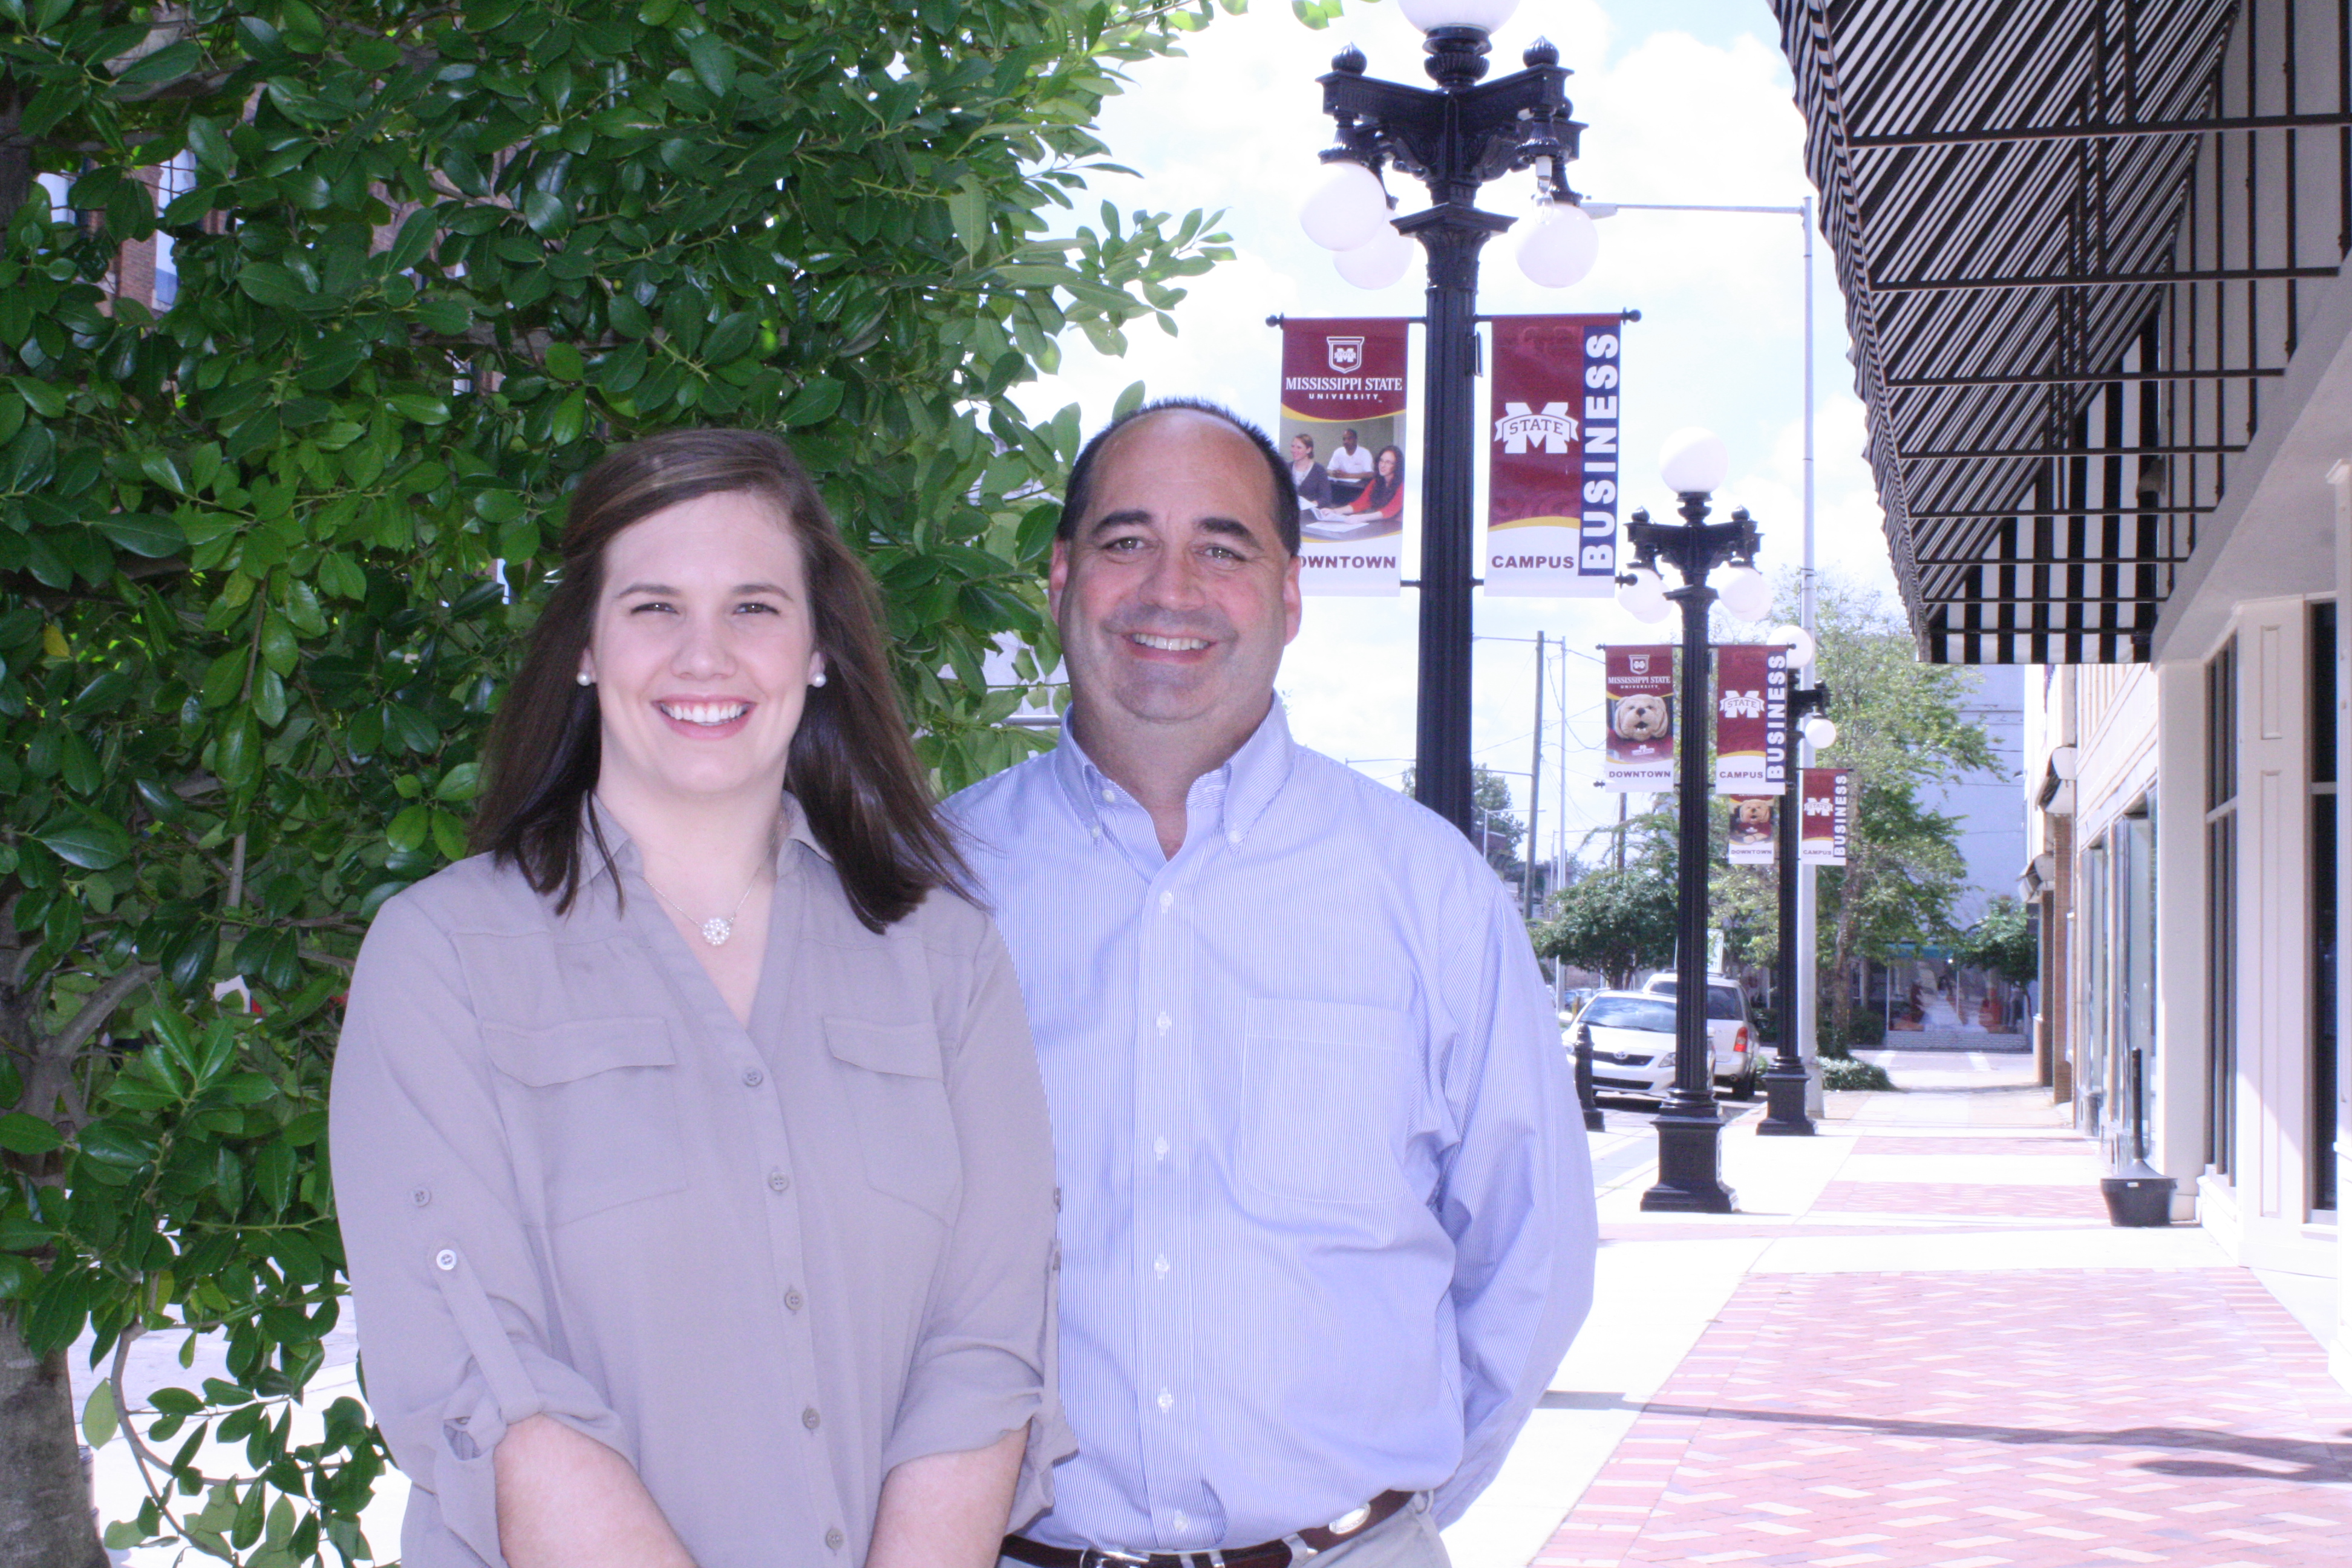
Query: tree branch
95,1012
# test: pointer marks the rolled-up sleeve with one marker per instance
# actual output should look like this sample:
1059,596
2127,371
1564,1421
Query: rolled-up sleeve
1517,1197
452,1318
985,1365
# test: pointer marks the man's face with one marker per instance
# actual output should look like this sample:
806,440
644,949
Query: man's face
1175,597
1347,439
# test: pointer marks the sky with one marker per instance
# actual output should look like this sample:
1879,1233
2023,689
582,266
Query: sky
1683,101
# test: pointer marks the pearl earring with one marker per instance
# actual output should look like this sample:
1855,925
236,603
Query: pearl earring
817,679
586,678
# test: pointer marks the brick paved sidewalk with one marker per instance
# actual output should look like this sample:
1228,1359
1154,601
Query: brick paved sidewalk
2045,1418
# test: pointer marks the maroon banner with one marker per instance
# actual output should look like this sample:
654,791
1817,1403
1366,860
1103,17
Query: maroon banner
1751,718
1551,507
1342,427
1753,833
1829,812
1639,753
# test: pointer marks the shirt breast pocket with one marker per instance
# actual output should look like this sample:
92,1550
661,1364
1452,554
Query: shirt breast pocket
1329,1092
905,1133
592,1107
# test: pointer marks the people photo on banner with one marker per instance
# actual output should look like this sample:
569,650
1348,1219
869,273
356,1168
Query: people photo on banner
1639,715
1751,718
1343,430
1552,492
1828,809
1752,832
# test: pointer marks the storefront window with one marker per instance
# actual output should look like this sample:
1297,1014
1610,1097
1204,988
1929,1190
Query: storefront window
2222,910
2324,1080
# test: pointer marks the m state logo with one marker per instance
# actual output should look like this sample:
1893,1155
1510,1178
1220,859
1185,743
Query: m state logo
1743,704
1345,355
1818,805
1549,428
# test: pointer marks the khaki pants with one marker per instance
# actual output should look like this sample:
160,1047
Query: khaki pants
1406,1538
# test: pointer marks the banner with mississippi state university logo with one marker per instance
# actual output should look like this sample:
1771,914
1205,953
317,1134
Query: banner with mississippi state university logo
1638,718
1552,443
1751,719
1753,830
1342,427
1829,812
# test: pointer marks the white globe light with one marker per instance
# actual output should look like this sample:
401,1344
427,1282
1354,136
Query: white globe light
1484,14
1643,598
1346,207
1378,261
1559,244
1820,734
1694,462
1746,592
1798,641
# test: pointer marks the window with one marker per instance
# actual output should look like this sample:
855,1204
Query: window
174,179
2324,1081
2222,910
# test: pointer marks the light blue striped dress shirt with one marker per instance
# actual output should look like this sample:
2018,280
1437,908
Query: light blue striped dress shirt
1327,1210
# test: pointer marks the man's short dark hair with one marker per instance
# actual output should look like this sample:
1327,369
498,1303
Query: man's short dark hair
1076,494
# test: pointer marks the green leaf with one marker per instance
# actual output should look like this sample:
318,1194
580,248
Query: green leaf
713,63
1128,401
99,1421
420,407
814,402
167,64
408,829
968,210
24,1134
564,363
91,844
147,535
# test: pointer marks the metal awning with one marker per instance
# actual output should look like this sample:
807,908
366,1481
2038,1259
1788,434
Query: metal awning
2005,186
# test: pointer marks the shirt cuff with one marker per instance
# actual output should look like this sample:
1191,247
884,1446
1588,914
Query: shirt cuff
967,1401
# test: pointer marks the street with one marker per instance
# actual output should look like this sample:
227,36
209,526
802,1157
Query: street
1920,1342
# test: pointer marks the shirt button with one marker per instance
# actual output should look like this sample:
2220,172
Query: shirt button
778,1181
810,1419
1167,1403
834,1539
792,1300
1180,1521
421,1196
444,1260
1167,902
1160,1266
753,1077
1110,796
1160,1148
1234,835
1166,1023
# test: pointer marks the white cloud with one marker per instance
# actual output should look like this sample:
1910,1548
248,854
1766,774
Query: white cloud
1683,104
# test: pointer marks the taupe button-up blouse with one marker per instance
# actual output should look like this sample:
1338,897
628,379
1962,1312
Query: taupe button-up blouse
766,1266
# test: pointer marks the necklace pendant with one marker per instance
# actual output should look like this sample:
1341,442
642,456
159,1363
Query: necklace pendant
717,930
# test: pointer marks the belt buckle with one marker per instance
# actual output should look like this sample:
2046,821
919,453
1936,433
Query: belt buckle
1096,1557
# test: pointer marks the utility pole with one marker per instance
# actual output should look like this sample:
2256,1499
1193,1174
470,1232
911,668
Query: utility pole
1535,794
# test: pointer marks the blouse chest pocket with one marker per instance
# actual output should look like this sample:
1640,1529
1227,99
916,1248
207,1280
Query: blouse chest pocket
1329,1091
592,1107
898,1100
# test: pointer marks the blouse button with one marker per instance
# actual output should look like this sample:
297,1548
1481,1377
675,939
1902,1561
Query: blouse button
778,1181
810,1419
753,1077
834,1539
792,1300
421,1196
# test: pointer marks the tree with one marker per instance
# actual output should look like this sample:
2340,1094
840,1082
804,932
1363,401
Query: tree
2001,942
1613,920
1498,829
264,556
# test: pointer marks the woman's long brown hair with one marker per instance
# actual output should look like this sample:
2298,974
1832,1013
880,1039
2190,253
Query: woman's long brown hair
851,764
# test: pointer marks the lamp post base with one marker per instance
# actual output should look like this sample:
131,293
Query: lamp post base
1784,1099
1690,1163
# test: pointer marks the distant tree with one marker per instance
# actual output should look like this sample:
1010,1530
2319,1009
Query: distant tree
2002,943
1617,922
1496,829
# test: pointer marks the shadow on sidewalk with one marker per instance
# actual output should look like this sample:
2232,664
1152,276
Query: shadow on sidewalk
2311,1461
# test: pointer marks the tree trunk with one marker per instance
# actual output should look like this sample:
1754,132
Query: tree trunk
46,1512
1842,976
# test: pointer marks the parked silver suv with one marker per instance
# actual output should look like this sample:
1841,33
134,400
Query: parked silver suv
1739,1065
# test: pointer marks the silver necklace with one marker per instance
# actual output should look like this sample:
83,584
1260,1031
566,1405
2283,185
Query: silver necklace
718,928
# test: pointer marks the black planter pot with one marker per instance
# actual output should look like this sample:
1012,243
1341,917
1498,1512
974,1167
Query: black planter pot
2139,1196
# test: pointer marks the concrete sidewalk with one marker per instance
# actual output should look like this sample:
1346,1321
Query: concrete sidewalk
1921,1343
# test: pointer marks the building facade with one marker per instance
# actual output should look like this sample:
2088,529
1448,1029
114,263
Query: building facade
2094,257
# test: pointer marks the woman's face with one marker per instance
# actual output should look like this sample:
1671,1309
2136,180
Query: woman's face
702,650
1388,464
1301,453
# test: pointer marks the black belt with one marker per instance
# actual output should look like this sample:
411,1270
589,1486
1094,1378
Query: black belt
1266,1554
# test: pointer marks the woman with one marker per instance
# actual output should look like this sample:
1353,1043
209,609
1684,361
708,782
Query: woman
1384,497
1314,484
689,1147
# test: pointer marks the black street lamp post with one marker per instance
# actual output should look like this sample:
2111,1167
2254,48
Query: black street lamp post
1455,137
1787,1083
1690,1156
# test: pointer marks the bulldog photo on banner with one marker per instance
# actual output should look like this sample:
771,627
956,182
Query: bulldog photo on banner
1828,810
1639,719
1751,718
1753,830
1342,427
1551,491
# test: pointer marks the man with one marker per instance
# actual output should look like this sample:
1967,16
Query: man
1307,476
1351,467
1326,1217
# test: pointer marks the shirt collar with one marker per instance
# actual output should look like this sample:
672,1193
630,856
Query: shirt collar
1253,775
627,858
